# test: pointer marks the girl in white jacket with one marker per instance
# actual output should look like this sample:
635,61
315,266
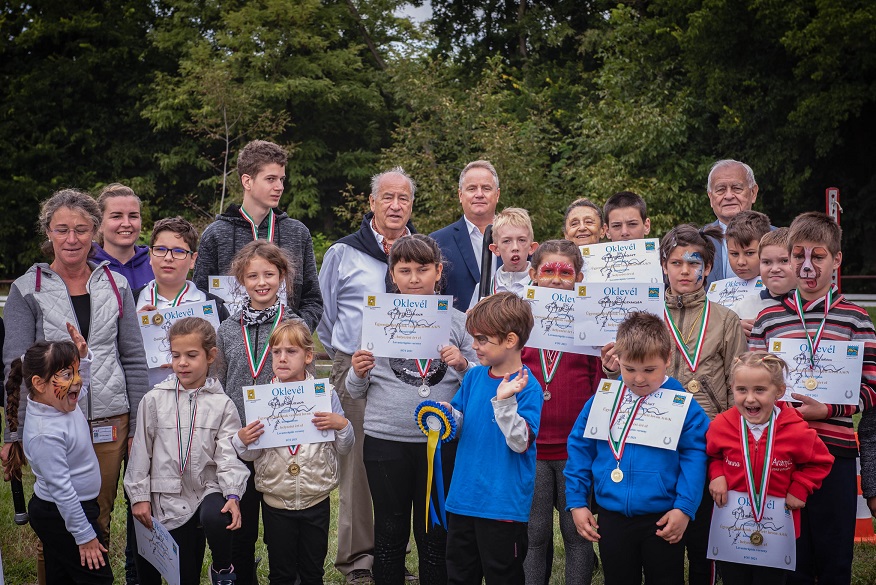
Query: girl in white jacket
183,470
296,481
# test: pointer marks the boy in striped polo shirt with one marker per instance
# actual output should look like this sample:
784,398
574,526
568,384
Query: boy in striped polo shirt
817,311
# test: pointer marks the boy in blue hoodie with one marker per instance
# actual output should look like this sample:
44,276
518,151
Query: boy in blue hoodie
646,495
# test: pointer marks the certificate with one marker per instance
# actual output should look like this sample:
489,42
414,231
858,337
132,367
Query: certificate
154,326
732,527
630,261
554,313
159,548
406,326
232,292
287,410
835,377
659,419
728,291
602,306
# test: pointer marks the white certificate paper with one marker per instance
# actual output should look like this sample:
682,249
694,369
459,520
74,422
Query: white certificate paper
287,409
732,526
658,422
837,369
406,326
159,548
553,311
728,291
630,261
602,306
154,330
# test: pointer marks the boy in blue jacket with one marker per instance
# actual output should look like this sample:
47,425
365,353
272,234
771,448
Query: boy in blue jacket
646,495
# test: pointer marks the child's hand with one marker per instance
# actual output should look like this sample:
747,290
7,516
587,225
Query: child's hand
586,524
747,326
811,409
447,406
362,362
508,388
251,432
142,511
78,340
92,553
794,503
145,308
718,489
232,506
451,356
674,523
609,357
329,421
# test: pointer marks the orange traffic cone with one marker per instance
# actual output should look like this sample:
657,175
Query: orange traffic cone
863,517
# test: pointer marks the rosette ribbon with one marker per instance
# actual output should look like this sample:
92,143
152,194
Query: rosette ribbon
438,425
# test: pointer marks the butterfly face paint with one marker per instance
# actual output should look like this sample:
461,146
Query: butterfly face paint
64,381
555,272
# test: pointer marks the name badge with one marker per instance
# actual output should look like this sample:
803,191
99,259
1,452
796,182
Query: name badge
106,434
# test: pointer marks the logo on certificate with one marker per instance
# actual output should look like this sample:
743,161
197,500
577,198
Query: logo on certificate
530,294
758,284
319,389
713,287
144,319
606,387
208,310
250,394
852,351
679,399
215,283
585,251
372,301
582,291
649,246
777,346
442,305
653,292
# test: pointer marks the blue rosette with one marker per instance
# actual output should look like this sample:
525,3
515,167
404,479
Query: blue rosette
439,426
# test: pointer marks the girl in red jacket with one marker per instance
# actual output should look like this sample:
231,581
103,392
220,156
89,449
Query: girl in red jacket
799,460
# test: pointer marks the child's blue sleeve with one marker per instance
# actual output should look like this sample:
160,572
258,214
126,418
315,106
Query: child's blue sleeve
579,466
692,461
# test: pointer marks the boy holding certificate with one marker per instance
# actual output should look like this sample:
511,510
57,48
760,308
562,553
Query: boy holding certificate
641,445
819,315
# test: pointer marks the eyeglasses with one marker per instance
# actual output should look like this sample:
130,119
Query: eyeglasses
175,253
79,230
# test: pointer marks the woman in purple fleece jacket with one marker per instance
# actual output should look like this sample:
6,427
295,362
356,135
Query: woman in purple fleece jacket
120,228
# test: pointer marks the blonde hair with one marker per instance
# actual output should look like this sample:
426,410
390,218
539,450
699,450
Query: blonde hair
514,217
773,364
294,332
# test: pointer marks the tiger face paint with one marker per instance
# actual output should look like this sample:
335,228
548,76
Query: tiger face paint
64,387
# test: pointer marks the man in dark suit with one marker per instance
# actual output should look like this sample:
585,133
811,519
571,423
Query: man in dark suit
461,242
731,189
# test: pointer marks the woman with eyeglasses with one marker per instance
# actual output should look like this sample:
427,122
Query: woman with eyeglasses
99,304
119,230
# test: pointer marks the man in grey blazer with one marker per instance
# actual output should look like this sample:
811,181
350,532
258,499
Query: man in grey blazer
732,188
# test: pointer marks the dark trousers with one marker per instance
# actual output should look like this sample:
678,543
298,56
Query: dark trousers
397,475
739,574
827,529
630,546
208,524
63,564
243,552
297,542
479,548
700,570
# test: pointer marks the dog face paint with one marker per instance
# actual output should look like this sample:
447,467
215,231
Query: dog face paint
813,266
805,269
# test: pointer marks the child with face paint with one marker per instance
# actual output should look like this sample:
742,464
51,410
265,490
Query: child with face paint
568,380
816,310
57,443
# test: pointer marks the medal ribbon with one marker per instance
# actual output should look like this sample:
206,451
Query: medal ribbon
184,460
691,357
256,364
813,343
758,497
617,447
255,228
295,452
423,367
177,300
550,363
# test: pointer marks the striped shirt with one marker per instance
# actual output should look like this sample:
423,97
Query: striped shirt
845,322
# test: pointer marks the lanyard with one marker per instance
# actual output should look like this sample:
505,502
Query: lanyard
423,367
617,447
813,343
257,363
691,357
758,496
550,363
193,401
255,228
177,300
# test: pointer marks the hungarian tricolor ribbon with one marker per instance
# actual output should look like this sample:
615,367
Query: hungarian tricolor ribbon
758,497
272,223
177,300
423,367
257,363
550,363
618,446
691,357
437,423
813,343
193,401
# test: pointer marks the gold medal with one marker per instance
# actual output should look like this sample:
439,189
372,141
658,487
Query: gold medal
756,538
693,386
547,395
294,468
617,475
157,319
811,383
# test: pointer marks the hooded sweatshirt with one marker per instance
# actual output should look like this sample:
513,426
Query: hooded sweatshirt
137,270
